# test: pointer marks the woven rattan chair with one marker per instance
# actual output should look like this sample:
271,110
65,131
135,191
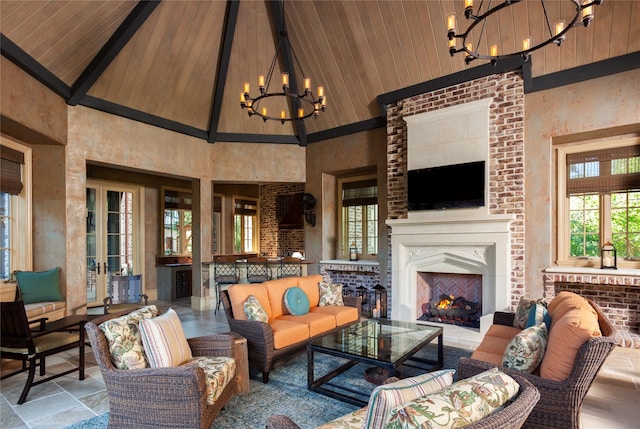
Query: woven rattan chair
19,342
560,401
512,416
160,397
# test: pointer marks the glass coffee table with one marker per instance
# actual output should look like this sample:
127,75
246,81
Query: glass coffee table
382,343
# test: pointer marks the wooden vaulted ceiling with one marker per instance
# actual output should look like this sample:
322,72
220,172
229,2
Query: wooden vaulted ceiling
181,64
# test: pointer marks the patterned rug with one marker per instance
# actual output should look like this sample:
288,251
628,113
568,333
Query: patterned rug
286,393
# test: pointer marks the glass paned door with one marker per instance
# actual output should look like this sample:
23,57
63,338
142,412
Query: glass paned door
112,234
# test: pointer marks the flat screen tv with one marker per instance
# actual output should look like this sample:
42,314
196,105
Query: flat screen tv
447,187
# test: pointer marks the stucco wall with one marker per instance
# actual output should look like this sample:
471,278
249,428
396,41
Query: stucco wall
595,108
325,161
102,138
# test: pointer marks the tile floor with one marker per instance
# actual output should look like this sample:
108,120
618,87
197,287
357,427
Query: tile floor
612,402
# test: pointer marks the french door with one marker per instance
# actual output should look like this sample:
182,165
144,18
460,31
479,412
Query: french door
113,235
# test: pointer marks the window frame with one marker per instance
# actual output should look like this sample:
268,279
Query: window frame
344,242
563,247
255,236
183,230
20,230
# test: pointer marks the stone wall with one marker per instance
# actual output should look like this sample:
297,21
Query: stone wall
506,154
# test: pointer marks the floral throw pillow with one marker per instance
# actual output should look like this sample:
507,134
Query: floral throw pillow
464,402
526,350
254,310
330,294
522,312
125,342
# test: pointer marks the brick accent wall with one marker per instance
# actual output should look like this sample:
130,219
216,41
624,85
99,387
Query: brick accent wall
506,155
275,242
618,296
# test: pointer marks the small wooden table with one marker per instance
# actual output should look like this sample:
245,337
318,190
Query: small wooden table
241,356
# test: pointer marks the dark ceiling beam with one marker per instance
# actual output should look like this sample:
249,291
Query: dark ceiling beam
588,71
111,49
345,130
26,62
229,28
257,138
139,116
276,13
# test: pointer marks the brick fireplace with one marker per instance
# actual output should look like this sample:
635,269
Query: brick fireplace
478,120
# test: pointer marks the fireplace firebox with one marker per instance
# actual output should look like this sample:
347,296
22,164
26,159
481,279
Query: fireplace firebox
450,298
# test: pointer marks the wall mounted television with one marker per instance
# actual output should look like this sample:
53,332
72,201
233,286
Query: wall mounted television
447,187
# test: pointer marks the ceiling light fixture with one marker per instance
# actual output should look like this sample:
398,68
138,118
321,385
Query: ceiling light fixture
305,105
556,34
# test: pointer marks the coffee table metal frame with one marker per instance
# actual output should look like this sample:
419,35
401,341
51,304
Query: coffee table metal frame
391,364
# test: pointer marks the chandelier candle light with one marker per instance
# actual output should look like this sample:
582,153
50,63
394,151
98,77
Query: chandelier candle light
556,34
305,105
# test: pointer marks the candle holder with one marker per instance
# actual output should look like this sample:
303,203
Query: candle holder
608,256
380,300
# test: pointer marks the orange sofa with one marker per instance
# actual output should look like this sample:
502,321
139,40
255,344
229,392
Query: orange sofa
284,335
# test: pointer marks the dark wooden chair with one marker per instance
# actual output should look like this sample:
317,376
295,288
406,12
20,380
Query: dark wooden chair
225,274
290,267
125,292
258,270
19,342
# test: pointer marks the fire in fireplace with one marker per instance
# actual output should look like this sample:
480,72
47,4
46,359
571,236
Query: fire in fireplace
452,310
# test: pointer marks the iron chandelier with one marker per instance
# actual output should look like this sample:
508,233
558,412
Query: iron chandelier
305,104
583,16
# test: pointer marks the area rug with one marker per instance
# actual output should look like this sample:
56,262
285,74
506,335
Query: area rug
286,393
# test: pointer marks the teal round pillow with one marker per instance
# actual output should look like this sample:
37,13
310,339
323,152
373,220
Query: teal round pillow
296,301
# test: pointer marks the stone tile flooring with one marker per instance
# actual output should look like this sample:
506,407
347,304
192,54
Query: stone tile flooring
613,402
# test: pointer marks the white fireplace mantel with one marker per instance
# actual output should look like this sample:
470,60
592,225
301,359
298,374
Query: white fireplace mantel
465,243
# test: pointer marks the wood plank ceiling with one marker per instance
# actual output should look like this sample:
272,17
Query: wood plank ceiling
356,49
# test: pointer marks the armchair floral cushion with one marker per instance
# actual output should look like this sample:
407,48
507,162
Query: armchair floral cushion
125,342
219,371
458,405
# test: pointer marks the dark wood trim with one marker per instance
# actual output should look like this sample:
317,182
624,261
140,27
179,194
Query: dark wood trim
345,130
276,12
257,138
111,49
589,71
229,28
26,62
467,75
137,115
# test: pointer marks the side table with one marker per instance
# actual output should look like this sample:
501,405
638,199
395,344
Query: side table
241,356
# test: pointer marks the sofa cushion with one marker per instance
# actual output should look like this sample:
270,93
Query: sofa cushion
254,311
164,341
40,308
296,301
464,402
522,311
539,313
342,314
318,323
123,335
309,284
494,344
386,397
276,289
286,332
568,333
526,350
330,294
238,295
219,371
39,286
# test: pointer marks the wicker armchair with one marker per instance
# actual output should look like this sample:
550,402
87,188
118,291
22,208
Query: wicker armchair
560,401
511,416
160,397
